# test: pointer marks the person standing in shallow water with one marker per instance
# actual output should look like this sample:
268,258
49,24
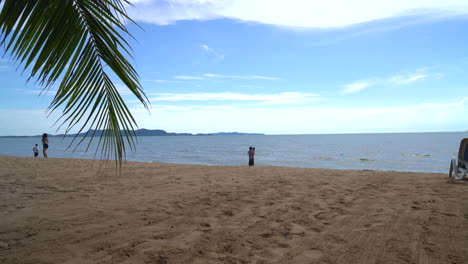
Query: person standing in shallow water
251,153
45,144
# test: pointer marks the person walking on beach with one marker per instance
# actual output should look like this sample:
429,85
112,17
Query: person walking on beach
36,151
251,153
45,144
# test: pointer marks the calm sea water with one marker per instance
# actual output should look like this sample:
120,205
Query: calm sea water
421,152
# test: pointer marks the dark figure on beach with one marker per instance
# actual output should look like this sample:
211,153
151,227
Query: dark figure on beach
251,153
45,144
36,151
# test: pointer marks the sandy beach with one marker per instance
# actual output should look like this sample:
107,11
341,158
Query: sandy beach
67,211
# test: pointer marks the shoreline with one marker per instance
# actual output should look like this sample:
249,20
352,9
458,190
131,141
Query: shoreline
216,165
247,133
65,211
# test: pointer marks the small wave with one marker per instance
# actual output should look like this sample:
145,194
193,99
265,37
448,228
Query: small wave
292,162
416,155
322,158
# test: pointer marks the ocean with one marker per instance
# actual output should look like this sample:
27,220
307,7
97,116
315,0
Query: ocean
417,152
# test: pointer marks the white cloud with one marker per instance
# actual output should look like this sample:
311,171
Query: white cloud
164,81
184,77
306,119
207,76
164,12
303,119
211,51
290,98
122,89
280,98
407,78
244,77
3,60
292,13
141,1
251,86
400,79
356,86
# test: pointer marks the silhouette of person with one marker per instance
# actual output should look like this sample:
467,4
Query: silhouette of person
251,153
36,151
45,144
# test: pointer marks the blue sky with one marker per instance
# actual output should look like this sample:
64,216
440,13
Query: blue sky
283,67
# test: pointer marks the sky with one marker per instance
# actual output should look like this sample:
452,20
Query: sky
282,67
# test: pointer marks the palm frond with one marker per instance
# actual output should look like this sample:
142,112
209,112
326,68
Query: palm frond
80,42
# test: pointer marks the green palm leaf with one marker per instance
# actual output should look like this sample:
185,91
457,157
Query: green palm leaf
79,42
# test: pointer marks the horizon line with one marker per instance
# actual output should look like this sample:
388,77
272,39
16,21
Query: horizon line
253,133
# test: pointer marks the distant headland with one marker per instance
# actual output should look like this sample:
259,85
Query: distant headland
150,132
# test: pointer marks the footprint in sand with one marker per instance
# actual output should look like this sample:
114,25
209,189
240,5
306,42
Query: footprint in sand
205,227
315,229
228,213
307,256
271,255
370,225
296,229
321,215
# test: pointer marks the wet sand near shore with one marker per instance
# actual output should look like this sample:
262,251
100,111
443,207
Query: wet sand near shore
67,211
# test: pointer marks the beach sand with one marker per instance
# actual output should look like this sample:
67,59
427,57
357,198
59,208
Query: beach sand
66,211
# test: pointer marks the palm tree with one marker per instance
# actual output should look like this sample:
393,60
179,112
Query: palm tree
78,42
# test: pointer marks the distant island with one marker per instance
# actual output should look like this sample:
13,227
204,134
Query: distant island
150,132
